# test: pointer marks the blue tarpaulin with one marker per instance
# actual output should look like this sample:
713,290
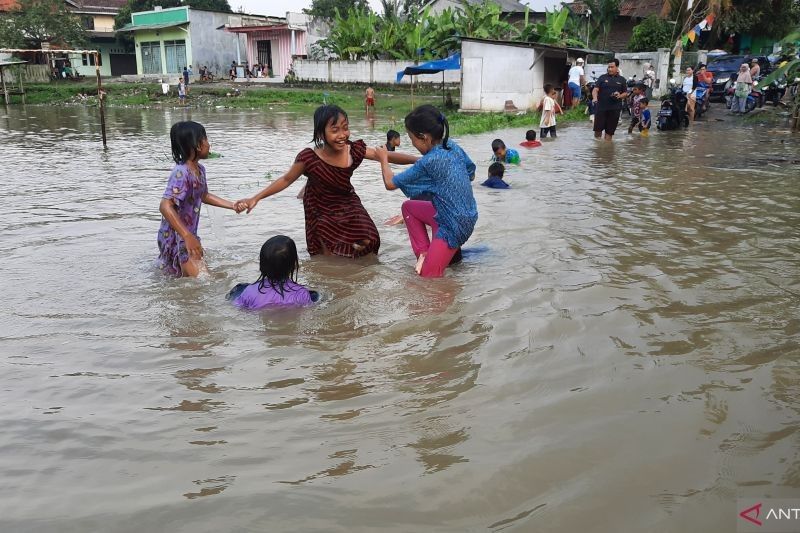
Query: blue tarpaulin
432,67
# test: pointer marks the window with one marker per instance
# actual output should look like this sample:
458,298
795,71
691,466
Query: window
88,60
175,52
151,57
87,22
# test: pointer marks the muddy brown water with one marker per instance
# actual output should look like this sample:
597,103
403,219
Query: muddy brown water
618,352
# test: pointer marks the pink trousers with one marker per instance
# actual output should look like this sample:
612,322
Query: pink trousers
419,215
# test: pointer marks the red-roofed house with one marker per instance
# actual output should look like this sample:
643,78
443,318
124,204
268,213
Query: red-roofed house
631,13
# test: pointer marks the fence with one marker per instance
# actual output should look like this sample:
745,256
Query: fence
384,72
30,74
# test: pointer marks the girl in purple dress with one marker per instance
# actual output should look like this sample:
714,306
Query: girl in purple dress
277,285
180,251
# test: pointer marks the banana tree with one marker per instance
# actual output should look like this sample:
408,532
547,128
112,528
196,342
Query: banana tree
552,31
791,69
354,35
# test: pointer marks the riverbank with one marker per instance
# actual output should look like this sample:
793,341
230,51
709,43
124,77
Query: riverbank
391,102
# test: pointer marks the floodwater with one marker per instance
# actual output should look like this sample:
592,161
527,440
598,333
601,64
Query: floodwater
617,353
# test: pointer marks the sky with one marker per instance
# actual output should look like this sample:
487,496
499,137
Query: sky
278,8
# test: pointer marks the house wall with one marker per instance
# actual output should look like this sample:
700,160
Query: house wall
633,63
384,72
281,47
167,34
212,47
620,34
494,73
104,23
89,69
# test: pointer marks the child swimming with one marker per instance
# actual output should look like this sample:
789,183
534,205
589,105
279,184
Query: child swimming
336,221
277,285
530,140
503,154
445,171
495,181
181,253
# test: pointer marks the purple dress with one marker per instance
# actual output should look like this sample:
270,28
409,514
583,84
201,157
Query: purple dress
254,298
186,191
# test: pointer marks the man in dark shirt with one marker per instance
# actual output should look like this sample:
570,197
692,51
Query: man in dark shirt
608,94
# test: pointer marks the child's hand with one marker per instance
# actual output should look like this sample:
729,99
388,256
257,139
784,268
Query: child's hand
193,247
382,153
250,204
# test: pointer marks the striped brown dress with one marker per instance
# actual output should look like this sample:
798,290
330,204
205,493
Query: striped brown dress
335,218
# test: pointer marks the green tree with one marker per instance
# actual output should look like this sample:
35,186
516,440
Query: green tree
603,14
35,22
327,8
354,35
554,31
790,69
651,34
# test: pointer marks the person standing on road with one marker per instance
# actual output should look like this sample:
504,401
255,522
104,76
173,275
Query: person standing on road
649,79
755,68
743,84
577,79
608,94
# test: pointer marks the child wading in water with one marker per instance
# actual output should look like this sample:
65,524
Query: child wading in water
445,171
277,284
181,252
547,124
336,221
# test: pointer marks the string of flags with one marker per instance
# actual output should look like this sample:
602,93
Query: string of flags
691,36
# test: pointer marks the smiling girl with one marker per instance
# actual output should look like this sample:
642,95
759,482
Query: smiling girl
336,221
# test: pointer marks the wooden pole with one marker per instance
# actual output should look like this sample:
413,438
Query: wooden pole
5,91
100,98
412,92
442,89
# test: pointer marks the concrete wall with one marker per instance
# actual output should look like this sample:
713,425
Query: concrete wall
633,63
494,73
212,47
364,72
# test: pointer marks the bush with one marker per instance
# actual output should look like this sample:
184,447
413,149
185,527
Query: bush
651,34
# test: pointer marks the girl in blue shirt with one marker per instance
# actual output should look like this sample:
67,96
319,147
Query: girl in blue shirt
444,171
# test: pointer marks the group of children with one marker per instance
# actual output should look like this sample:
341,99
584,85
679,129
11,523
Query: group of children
437,185
640,114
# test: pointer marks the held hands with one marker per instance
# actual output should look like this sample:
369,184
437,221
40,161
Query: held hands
382,154
245,204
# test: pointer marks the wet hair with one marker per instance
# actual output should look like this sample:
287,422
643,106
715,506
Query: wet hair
185,138
324,115
497,170
644,101
391,134
278,263
530,135
497,144
427,119
614,60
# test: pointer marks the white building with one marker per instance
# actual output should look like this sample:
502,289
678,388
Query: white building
496,71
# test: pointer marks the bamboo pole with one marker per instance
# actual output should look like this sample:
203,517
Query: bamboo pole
100,98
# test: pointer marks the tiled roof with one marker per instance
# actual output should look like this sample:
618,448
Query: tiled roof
506,6
110,7
630,8
7,5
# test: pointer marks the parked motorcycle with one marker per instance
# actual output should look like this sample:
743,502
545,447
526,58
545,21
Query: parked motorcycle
754,99
702,100
775,91
672,114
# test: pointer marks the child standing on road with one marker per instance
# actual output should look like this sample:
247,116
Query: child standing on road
181,91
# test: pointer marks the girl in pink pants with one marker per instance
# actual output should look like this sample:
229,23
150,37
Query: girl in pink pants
444,171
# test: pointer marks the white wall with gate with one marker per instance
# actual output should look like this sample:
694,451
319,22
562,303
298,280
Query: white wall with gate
384,72
632,63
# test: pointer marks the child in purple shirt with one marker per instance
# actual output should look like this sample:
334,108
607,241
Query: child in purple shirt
277,285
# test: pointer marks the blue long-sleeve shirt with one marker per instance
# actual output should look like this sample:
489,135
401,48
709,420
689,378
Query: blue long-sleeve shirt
445,173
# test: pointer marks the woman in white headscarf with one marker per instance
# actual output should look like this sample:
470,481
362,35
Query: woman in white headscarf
649,79
743,84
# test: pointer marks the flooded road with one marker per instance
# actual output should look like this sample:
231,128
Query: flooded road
618,352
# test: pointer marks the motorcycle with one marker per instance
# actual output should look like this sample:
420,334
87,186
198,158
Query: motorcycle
701,100
754,99
775,91
672,114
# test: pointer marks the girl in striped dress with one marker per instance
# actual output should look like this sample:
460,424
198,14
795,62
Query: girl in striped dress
336,221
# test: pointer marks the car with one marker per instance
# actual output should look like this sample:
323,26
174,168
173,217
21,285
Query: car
725,67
